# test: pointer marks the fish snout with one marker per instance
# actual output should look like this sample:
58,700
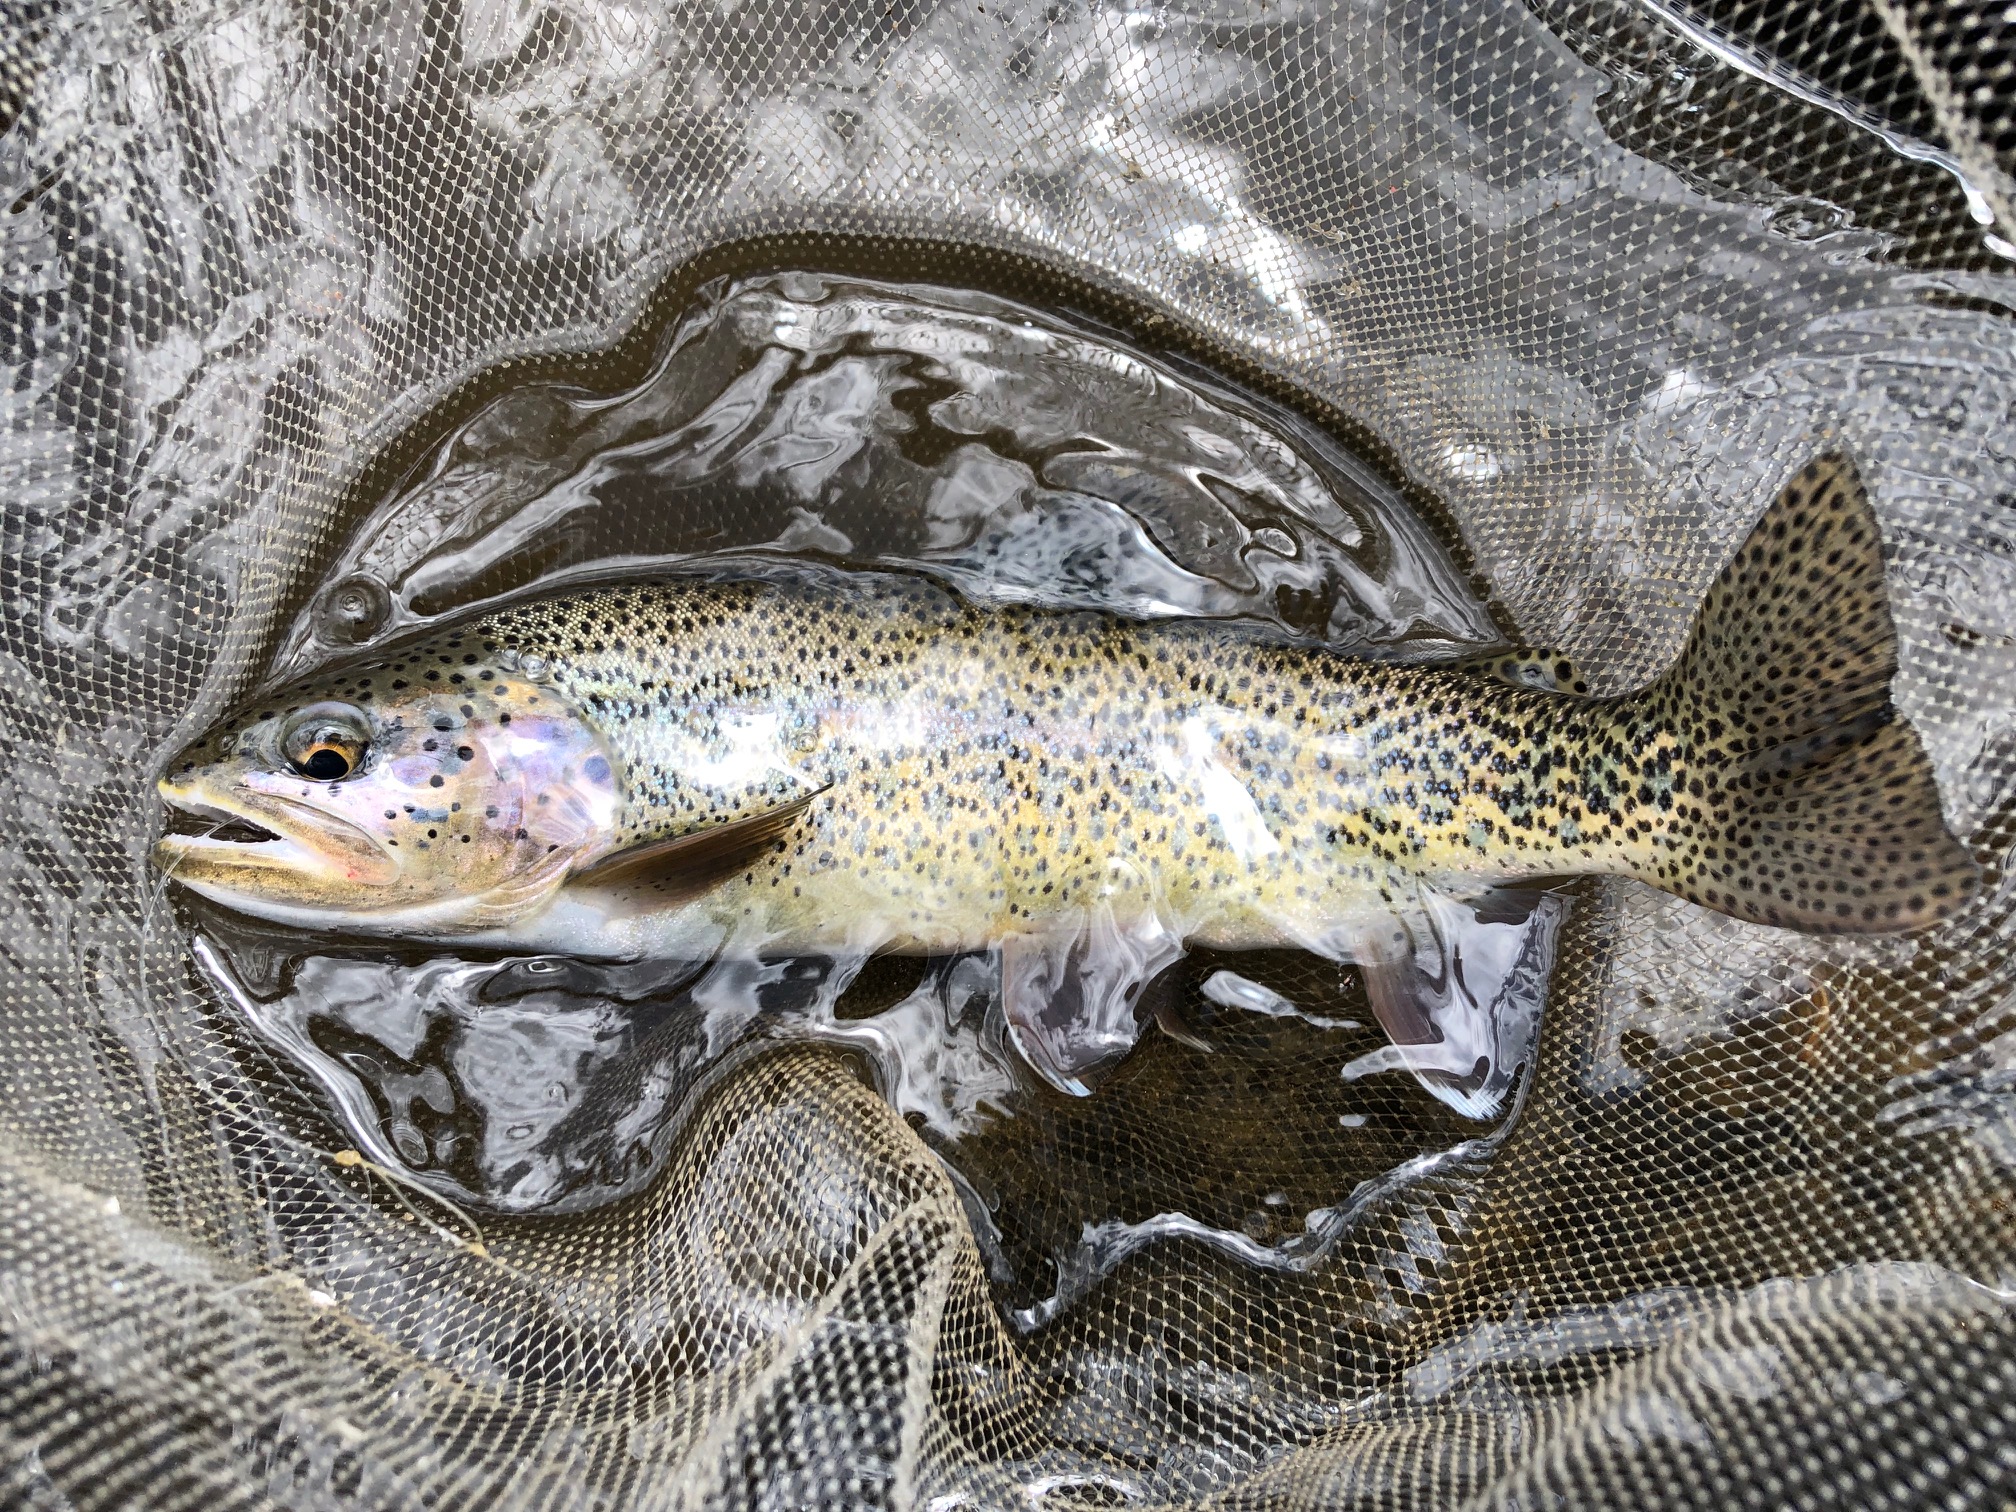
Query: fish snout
224,832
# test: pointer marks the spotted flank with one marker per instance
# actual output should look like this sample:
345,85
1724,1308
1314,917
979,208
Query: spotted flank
807,759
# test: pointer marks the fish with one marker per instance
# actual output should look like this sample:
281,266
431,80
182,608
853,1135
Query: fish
800,760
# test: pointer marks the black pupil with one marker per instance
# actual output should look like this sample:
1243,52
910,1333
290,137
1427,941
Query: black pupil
326,765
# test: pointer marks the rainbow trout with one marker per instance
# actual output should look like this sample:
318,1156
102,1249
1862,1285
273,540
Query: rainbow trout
813,761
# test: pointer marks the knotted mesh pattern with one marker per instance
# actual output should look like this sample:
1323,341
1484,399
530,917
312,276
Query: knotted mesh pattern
1596,278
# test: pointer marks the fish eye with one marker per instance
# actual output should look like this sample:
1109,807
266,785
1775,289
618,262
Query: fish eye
326,742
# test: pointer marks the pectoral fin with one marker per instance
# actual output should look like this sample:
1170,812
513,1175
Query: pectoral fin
664,872
1069,994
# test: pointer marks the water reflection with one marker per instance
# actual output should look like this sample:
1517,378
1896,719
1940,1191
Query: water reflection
1267,1108
1022,459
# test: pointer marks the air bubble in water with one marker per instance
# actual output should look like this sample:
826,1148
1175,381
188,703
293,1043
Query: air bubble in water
351,610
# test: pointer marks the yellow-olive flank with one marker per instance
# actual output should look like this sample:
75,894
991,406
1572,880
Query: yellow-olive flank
803,760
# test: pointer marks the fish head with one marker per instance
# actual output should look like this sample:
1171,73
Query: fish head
421,794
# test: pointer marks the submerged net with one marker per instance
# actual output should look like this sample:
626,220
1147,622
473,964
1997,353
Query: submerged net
1592,279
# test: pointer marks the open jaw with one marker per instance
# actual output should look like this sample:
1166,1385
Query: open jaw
188,824
213,836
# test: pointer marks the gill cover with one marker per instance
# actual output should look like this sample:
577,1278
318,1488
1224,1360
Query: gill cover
433,793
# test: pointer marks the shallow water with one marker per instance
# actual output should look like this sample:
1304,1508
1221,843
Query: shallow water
1019,457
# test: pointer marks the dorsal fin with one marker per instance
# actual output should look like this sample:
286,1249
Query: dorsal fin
661,872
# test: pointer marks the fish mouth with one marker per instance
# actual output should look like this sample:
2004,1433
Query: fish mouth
231,837
213,825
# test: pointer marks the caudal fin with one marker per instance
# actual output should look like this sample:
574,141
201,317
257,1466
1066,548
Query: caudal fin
1801,799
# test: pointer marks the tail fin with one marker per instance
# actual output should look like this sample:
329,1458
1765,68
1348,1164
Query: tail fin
1800,799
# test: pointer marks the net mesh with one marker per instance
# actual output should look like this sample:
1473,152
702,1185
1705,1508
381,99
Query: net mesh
1596,277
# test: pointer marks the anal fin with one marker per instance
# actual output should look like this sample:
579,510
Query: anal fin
1458,991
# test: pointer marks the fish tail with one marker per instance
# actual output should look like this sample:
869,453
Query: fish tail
1795,795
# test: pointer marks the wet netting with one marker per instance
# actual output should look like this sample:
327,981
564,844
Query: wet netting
1581,282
